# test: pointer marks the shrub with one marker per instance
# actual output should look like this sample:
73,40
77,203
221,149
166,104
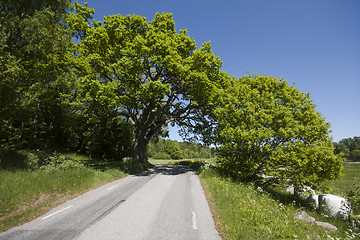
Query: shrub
354,198
10,159
197,166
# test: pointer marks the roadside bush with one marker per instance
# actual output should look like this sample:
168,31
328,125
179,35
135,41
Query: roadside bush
132,166
10,159
354,198
34,159
59,162
197,166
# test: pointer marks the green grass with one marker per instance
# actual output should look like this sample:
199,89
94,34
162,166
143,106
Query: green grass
28,193
246,212
351,178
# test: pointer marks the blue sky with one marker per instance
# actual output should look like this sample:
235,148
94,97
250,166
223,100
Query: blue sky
315,43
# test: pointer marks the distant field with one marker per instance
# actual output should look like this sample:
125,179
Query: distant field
171,161
163,161
346,183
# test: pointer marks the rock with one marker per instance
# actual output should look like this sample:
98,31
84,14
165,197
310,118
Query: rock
301,191
334,206
290,189
304,192
313,201
303,216
326,225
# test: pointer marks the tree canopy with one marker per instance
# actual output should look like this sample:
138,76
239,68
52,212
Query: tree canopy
270,132
147,72
33,43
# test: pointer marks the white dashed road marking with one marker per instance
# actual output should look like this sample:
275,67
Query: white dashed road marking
56,212
111,187
194,220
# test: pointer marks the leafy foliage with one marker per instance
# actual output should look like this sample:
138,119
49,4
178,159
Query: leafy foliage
270,132
355,155
149,74
42,105
34,80
354,197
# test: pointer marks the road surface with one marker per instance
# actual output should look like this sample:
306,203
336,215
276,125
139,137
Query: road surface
166,202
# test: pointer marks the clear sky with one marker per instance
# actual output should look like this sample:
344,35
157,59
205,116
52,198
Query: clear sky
315,43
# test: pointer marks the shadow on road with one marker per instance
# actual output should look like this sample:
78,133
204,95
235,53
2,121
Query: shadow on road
166,170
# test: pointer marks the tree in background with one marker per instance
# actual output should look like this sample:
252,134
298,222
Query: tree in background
172,148
349,147
149,74
355,155
34,76
269,132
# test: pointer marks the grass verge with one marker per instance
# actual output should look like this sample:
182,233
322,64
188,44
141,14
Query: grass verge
247,212
29,193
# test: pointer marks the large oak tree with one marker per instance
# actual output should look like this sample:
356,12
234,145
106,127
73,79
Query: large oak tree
147,72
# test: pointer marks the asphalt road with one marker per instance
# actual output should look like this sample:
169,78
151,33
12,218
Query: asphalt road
166,202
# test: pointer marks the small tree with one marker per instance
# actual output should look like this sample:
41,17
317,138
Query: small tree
269,132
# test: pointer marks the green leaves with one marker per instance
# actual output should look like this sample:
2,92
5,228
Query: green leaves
271,132
35,76
152,74
79,22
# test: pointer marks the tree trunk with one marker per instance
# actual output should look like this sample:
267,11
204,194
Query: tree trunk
145,129
142,138
140,145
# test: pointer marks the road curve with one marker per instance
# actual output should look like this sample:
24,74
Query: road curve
166,202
